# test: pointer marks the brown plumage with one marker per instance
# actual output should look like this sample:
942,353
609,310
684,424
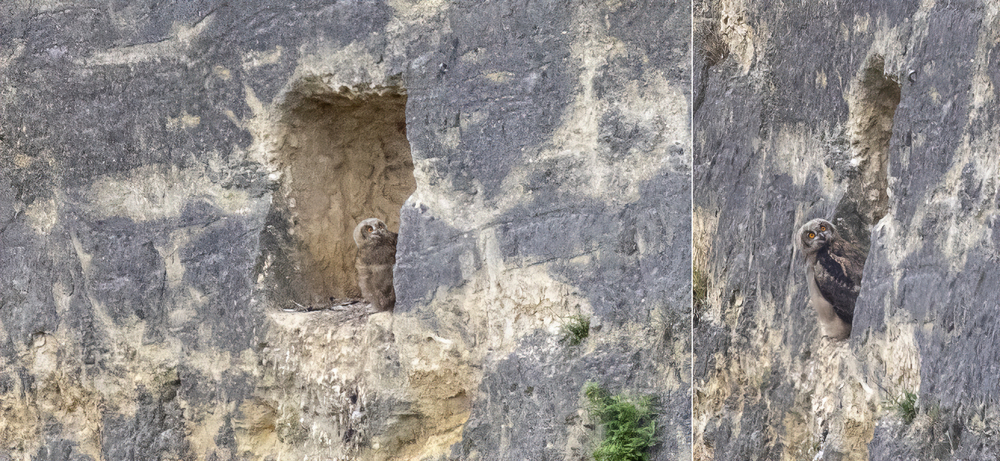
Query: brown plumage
833,269
376,257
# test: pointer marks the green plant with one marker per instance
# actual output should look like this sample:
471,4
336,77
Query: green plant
575,329
905,406
628,421
699,288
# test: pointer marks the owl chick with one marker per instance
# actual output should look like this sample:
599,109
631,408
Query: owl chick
833,269
376,256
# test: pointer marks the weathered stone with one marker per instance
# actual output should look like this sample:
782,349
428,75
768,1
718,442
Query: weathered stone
794,116
177,186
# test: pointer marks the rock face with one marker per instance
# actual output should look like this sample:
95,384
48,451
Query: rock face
178,182
880,116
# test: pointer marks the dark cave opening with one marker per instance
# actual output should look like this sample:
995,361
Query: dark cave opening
344,157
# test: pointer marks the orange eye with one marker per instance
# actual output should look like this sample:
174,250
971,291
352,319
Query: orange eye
822,228
812,234
368,229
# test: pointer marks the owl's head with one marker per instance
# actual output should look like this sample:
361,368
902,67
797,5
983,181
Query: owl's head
370,230
816,234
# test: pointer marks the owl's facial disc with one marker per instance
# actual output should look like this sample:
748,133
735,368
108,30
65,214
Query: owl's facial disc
377,230
814,237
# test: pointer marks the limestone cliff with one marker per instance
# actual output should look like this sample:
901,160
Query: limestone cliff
178,182
881,116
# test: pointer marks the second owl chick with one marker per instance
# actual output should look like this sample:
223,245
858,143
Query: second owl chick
376,256
833,269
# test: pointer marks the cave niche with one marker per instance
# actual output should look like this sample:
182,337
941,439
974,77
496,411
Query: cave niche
344,157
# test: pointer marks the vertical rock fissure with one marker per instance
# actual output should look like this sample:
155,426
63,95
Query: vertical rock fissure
872,101
710,48
835,432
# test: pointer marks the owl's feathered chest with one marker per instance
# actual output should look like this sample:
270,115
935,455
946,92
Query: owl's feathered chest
380,251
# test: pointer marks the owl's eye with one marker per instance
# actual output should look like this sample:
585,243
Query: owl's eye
822,228
812,234
381,226
368,229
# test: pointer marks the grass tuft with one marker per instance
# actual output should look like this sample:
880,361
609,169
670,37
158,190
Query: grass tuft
905,406
629,424
576,329
699,289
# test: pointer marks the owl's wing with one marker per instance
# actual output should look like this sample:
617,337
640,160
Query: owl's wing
850,258
838,278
